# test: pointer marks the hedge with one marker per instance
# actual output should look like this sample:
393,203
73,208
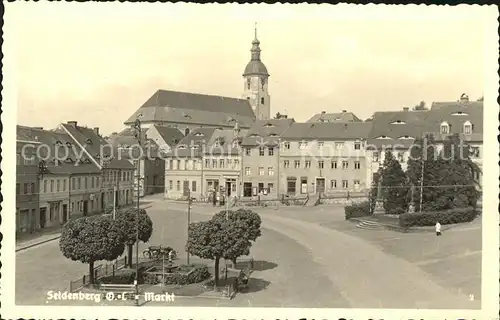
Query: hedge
357,210
456,215
198,274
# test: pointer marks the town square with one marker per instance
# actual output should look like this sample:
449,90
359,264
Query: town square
314,159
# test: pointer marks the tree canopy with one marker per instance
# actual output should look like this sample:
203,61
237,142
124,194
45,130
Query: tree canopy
127,222
394,184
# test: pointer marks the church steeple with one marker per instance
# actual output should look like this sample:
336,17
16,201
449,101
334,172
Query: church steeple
255,66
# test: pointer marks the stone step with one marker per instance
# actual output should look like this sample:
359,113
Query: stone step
372,225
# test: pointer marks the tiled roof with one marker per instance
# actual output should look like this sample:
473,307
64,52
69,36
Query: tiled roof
327,131
129,147
58,145
225,141
171,136
95,144
335,117
266,132
193,108
197,137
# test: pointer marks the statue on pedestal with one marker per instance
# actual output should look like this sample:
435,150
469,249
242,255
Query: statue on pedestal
411,208
379,204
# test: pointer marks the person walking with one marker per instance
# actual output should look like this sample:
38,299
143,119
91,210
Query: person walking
438,228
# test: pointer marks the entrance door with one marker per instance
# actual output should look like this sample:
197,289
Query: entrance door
320,185
43,212
85,207
228,188
185,189
65,213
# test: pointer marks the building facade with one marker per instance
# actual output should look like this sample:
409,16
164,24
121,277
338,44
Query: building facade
27,186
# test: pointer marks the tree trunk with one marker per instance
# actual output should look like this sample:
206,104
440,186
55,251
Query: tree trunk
130,247
234,263
91,272
216,275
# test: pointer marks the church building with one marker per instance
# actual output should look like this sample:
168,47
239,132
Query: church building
188,111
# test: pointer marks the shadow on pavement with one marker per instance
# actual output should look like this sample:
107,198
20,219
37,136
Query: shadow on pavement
255,285
261,265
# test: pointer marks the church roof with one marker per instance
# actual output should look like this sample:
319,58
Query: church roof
194,108
255,67
334,117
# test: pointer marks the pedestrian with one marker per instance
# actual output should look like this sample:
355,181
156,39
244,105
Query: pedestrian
170,255
438,228
214,198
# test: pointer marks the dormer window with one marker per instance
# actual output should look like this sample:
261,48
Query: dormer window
398,122
459,113
254,135
273,134
88,161
406,137
269,125
58,142
181,146
68,144
194,147
445,128
467,127
383,137
88,141
198,134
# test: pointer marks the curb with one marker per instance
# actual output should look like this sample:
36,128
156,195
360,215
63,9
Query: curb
37,243
412,229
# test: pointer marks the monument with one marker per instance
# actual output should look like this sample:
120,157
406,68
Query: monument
379,203
411,208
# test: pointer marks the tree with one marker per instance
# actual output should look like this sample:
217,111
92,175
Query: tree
480,99
244,225
127,222
277,116
394,184
91,239
420,107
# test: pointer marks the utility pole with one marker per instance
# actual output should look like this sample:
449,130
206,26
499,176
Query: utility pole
188,220
114,202
278,173
138,129
421,186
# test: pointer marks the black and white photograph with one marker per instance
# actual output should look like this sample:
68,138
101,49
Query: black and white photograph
299,158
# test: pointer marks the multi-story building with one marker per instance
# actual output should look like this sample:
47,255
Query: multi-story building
27,186
117,175
336,117
260,157
323,158
152,165
398,130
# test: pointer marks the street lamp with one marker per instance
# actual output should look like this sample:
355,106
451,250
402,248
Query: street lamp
278,174
137,127
188,218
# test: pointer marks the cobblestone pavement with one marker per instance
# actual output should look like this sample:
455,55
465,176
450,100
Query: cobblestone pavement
312,259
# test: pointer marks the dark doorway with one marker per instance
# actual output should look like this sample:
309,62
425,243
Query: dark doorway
320,185
247,189
102,200
228,188
117,196
185,188
85,207
43,212
65,213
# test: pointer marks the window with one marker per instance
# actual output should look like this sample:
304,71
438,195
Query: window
474,152
308,164
171,185
45,186
236,163
171,166
97,180
261,151
178,185
214,164
467,127
186,131
51,186
357,165
58,185
270,187
286,164
356,184
445,128
178,165
248,171
33,188
333,164
400,156
339,145
321,145
78,182
25,188
261,171
193,186
270,171
92,181
302,145
18,188
221,163
229,164
270,151
297,164
345,164
345,184
357,145
64,185
287,145
375,156
85,183
321,164
290,186
262,100
207,163
248,151
333,184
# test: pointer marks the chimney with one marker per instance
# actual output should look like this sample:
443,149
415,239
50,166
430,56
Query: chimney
464,98
344,111
72,123
323,112
406,109
96,130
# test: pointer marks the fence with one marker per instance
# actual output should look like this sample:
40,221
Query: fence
100,271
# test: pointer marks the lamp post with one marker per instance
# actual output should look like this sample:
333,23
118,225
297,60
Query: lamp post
188,220
137,127
278,174
421,186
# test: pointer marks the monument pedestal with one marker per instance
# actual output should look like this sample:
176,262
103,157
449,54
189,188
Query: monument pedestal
411,208
379,207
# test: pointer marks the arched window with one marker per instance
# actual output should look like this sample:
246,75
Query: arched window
445,128
248,83
467,127
186,131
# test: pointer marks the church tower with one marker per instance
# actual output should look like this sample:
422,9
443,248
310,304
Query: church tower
256,83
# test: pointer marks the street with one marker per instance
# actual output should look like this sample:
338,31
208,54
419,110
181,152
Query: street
307,258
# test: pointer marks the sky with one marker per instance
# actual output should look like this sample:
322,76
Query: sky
96,63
